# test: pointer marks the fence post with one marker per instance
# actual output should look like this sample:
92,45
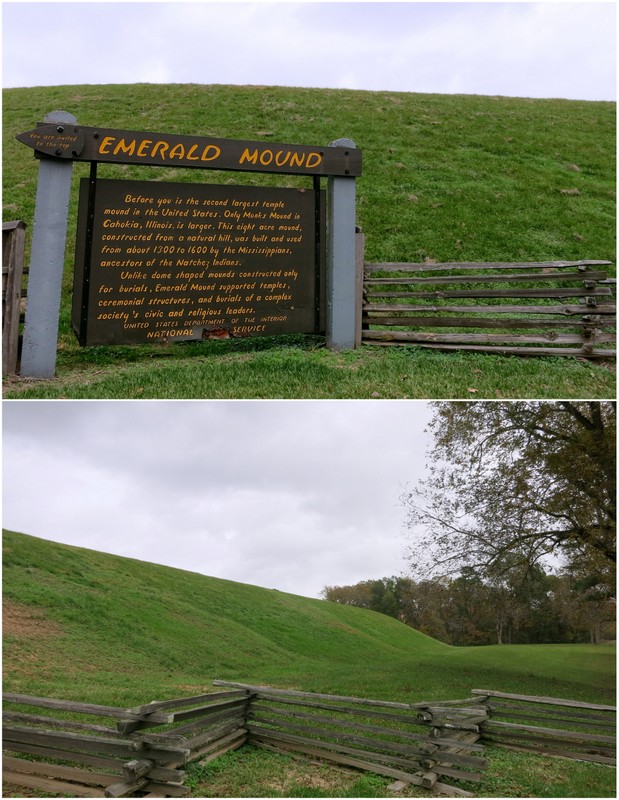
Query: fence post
47,261
341,259
359,274
13,241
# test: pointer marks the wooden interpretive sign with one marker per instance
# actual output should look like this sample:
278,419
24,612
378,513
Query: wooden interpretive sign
81,143
172,261
177,261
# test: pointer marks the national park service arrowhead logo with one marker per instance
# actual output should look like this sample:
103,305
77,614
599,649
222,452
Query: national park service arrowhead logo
57,139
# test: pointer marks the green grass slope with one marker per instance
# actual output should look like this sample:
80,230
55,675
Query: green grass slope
87,625
449,178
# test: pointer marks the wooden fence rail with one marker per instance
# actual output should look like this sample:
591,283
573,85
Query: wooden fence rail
564,308
550,726
13,246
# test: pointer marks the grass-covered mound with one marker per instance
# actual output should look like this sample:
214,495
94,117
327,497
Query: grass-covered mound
92,626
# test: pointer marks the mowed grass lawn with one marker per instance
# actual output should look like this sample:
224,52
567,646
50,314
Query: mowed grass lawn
445,178
87,626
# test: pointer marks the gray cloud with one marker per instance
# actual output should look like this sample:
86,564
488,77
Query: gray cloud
549,49
289,495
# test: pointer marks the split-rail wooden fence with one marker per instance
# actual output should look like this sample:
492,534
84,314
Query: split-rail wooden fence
554,308
87,750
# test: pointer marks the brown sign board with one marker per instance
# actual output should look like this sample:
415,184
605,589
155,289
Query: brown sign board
158,261
173,150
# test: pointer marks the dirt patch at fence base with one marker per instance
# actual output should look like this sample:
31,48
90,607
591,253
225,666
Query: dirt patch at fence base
21,620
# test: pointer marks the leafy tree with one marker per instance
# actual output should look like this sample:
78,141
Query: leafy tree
511,485
359,595
586,607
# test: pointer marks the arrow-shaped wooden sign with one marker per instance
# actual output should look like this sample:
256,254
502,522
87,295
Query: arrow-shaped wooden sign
62,141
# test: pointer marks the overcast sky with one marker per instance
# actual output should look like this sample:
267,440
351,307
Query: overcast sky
286,495
521,49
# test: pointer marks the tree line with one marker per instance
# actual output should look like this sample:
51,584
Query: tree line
466,610
512,531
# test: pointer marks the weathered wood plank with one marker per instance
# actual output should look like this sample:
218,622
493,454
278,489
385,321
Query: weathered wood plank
64,755
448,703
450,757
398,786
542,741
550,751
268,690
510,351
407,719
494,308
517,736
159,705
501,706
60,740
394,266
339,736
389,754
499,294
12,764
206,710
166,774
17,716
264,708
74,741
458,774
215,734
146,767
456,752
550,716
462,711
428,779
359,764
211,721
466,744
125,788
537,277
485,338
561,733
203,712
554,701
412,760
155,789
210,752
51,785
475,322
362,759
137,768
80,708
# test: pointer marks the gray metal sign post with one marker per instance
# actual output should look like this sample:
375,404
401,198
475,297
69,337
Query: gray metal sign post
49,234
341,259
